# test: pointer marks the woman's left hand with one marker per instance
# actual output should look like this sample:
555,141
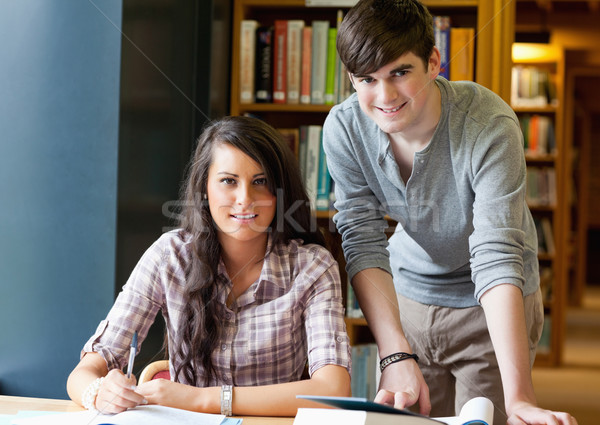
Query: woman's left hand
173,394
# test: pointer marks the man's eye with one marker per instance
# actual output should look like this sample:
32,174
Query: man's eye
366,80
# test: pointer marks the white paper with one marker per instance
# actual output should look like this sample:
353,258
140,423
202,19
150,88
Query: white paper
478,410
146,415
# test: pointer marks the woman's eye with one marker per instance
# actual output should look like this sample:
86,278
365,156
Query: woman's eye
261,181
228,180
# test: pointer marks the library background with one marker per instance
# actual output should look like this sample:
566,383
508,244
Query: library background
536,55
183,63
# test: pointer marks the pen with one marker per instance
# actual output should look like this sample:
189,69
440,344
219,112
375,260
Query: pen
132,352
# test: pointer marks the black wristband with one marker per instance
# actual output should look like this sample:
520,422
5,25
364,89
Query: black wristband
395,358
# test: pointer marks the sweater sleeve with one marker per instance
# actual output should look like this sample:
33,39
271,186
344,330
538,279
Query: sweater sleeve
497,243
360,218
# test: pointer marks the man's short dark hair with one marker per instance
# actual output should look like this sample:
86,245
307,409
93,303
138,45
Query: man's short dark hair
377,32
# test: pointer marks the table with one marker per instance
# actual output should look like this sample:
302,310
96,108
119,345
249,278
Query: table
10,405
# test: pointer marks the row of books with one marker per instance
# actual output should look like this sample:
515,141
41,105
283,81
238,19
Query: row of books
546,279
365,371
544,343
307,143
538,134
541,187
291,62
294,62
457,49
531,87
543,226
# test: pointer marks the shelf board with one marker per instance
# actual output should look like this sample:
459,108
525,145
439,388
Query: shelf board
542,159
548,109
282,107
302,3
356,321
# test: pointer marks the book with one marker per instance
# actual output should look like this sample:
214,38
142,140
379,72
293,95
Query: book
292,137
247,56
280,61
323,181
462,53
364,381
294,59
306,64
264,63
313,148
331,68
359,411
320,34
441,33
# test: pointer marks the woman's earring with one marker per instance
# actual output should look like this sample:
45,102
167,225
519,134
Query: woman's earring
205,196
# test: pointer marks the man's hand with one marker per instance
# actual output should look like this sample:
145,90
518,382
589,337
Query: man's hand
402,385
529,414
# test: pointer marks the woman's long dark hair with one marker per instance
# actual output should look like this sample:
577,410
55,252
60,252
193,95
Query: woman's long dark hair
199,331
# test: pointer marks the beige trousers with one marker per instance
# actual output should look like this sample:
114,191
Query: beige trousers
456,355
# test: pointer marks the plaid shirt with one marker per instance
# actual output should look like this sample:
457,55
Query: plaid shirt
292,313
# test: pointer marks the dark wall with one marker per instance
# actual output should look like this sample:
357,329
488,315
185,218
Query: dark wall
174,77
59,91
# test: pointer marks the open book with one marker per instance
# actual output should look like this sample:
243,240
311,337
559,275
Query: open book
359,411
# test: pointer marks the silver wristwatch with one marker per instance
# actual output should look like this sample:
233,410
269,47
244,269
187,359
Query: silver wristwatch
226,400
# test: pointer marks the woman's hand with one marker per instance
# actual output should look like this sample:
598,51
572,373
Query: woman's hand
181,396
117,393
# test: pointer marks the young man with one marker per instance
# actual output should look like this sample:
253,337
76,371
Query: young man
458,282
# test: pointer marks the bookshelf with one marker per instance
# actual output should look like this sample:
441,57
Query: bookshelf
493,23
538,91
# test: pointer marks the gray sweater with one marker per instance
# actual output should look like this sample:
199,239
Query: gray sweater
463,223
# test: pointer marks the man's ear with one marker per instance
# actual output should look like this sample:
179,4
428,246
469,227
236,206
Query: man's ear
434,63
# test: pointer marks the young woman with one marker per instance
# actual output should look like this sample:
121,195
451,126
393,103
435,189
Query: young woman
248,292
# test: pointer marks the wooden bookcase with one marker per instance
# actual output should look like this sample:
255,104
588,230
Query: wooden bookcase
494,27
549,59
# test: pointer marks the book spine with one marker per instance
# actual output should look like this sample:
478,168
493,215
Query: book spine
462,52
319,61
294,56
247,56
313,148
324,181
280,62
441,32
264,63
330,83
306,65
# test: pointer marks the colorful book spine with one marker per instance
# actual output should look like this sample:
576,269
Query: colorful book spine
462,53
441,32
264,54
324,181
330,76
247,57
294,59
280,62
320,30
313,153
306,65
